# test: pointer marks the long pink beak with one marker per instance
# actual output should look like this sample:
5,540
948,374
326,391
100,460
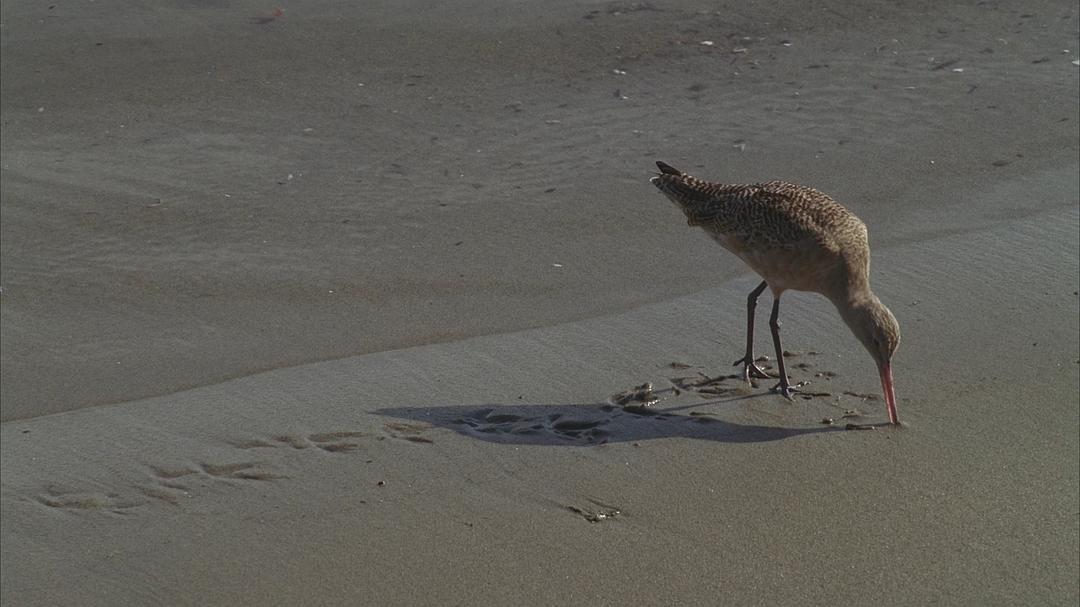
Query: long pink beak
887,387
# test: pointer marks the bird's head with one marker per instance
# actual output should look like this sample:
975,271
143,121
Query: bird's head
877,329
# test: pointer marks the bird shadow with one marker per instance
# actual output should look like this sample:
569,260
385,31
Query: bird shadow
581,424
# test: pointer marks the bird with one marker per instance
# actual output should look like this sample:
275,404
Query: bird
796,238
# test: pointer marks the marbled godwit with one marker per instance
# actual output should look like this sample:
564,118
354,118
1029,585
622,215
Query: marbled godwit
795,237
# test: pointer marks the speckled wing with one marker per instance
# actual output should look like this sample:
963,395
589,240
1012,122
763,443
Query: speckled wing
774,214
779,214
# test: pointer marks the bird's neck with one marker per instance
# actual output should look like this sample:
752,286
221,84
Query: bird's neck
852,296
849,287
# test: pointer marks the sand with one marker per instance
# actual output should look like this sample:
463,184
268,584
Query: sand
329,307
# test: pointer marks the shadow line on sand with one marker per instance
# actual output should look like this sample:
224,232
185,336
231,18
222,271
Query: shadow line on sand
590,423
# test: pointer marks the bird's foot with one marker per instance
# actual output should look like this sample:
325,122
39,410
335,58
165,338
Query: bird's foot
787,390
750,370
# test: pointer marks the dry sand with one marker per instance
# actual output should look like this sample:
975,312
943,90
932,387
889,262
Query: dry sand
449,206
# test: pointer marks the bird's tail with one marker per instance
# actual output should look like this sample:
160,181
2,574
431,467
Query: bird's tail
667,169
693,196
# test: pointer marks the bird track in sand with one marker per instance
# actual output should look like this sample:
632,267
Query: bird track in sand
174,485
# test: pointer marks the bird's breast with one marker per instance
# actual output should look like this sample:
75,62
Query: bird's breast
791,266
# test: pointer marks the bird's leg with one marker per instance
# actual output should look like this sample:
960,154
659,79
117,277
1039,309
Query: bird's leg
784,387
749,368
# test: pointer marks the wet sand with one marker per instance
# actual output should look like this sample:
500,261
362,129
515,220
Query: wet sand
443,163
450,209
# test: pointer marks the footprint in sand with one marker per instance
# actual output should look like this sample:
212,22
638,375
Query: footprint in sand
170,485
331,442
64,499
734,385
242,471
340,441
411,432
574,429
596,512
174,484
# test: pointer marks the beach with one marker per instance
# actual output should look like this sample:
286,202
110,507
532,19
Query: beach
335,305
